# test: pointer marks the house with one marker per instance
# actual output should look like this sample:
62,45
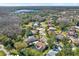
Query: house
40,46
36,24
73,46
49,23
72,32
41,30
57,48
65,20
52,29
59,37
52,53
31,39
34,32
43,39
74,40
77,23
77,27
39,18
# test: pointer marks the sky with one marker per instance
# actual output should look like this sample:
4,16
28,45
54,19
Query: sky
39,4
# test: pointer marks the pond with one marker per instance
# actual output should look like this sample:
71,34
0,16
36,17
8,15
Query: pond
25,11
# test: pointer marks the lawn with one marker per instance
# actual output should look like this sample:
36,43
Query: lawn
2,53
43,24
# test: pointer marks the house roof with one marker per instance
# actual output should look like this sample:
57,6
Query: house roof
43,39
74,40
39,17
77,27
52,28
51,53
40,46
36,24
31,39
34,31
59,36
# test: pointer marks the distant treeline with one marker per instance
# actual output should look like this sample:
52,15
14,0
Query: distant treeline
14,8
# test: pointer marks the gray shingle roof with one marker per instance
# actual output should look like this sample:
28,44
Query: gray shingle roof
52,53
31,39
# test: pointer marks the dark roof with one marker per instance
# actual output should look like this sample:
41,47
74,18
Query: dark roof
59,37
31,39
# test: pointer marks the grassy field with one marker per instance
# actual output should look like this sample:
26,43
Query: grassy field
2,53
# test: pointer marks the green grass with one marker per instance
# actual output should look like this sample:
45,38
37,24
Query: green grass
45,52
2,53
43,24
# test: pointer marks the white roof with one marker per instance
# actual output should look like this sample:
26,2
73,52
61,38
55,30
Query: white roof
77,27
52,53
52,28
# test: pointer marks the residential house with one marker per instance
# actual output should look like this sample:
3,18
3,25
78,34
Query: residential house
52,29
31,39
59,37
64,20
39,18
72,32
49,23
41,30
43,39
36,24
54,51
74,40
40,46
34,31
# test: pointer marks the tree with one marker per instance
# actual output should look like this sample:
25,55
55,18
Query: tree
9,24
51,41
7,42
26,21
23,32
19,45
63,26
2,53
46,32
28,32
66,50
3,38
61,53
76,52
19,38
78,23
33,52
23,52
54,18
14,52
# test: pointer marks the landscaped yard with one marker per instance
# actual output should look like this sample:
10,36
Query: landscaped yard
2,53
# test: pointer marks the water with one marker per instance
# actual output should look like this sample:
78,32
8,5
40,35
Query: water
14,8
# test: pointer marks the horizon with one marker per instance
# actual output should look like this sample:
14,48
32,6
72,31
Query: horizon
39,4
